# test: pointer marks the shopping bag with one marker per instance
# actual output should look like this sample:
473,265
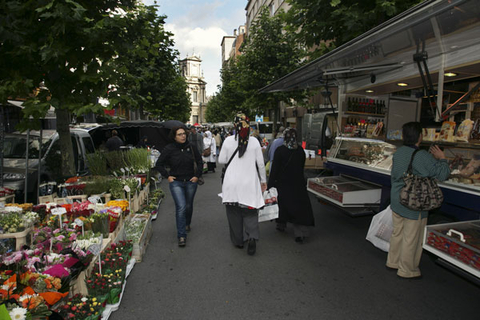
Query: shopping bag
270,210
381,229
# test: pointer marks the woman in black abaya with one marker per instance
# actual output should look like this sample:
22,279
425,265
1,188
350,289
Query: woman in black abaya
287,176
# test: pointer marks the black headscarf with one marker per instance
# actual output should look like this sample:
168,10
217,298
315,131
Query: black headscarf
242,132
290,138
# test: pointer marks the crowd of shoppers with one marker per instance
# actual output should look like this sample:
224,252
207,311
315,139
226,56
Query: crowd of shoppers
245,181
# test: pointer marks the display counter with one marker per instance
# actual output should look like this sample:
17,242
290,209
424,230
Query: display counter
457,243
371,160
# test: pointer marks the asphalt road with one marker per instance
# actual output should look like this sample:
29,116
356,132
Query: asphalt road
337,274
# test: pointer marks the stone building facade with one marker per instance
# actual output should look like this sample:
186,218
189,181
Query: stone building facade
191,70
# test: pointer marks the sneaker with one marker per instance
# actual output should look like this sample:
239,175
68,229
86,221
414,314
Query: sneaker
188,229
182,242
252,247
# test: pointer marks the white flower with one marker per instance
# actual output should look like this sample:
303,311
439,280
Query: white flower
18,313
84,299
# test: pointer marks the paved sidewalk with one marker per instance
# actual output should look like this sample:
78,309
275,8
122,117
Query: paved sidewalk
336,275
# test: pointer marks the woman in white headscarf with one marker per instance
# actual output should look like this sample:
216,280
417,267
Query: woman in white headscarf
209,151
243,185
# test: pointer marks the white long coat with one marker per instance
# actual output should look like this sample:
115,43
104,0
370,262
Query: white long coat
209,141
241,183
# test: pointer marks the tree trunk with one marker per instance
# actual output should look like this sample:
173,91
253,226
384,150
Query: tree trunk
66,149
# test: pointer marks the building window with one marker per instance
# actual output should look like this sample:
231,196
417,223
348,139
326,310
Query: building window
195,119
195,96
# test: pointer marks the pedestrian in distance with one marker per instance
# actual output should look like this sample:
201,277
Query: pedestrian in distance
181,157
114,142
409,225
275,144
287,176
218,140
209,152
195,139
243,185
143,143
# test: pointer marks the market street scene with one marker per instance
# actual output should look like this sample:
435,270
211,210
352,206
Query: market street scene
278,159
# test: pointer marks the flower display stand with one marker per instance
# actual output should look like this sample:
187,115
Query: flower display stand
20,237
119,233
140,247
79,285
8,199
109,308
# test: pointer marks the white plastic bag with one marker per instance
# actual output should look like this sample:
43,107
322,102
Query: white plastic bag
381,229
270,210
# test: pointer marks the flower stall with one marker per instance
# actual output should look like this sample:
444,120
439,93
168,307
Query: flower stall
70,257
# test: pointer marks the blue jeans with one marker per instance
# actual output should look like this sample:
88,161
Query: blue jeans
183,193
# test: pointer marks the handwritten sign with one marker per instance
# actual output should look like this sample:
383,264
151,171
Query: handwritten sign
58,211
94,199
126,188
95,248
69,201
79,223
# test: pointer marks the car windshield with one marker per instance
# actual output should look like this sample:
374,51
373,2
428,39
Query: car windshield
15,147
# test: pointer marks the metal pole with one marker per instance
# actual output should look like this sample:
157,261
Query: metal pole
26,167
39,166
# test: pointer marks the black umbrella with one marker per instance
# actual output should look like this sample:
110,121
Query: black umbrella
170,124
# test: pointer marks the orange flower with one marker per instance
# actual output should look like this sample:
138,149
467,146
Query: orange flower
48,283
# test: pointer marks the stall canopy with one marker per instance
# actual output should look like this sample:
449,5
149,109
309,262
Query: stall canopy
446,33
132,131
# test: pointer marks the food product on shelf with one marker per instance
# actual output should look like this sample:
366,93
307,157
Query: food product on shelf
447,131
464,130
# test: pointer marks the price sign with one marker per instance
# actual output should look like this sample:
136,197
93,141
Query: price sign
123,170
128,169
69,201
79,223
94,199
2,205
95,249
58,211
126,188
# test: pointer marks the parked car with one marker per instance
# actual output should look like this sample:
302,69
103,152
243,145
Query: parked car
265,129
14,162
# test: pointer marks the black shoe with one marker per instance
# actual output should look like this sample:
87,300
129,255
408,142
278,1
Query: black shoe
188,229
281,229
411,278
239,246
391,269
252,247
182,242
300,240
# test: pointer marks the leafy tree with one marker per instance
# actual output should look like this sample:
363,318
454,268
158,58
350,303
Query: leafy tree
147,71
327,24
66,45
79,51
267,54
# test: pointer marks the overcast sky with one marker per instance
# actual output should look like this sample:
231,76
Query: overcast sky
199,26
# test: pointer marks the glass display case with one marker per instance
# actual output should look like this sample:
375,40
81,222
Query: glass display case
457,243
345,191
464,161
367,153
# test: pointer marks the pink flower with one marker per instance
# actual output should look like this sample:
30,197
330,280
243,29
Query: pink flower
60,237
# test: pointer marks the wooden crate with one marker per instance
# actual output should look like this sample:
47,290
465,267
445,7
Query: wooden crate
20,237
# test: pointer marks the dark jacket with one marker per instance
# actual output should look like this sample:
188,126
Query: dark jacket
114,143
179,158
